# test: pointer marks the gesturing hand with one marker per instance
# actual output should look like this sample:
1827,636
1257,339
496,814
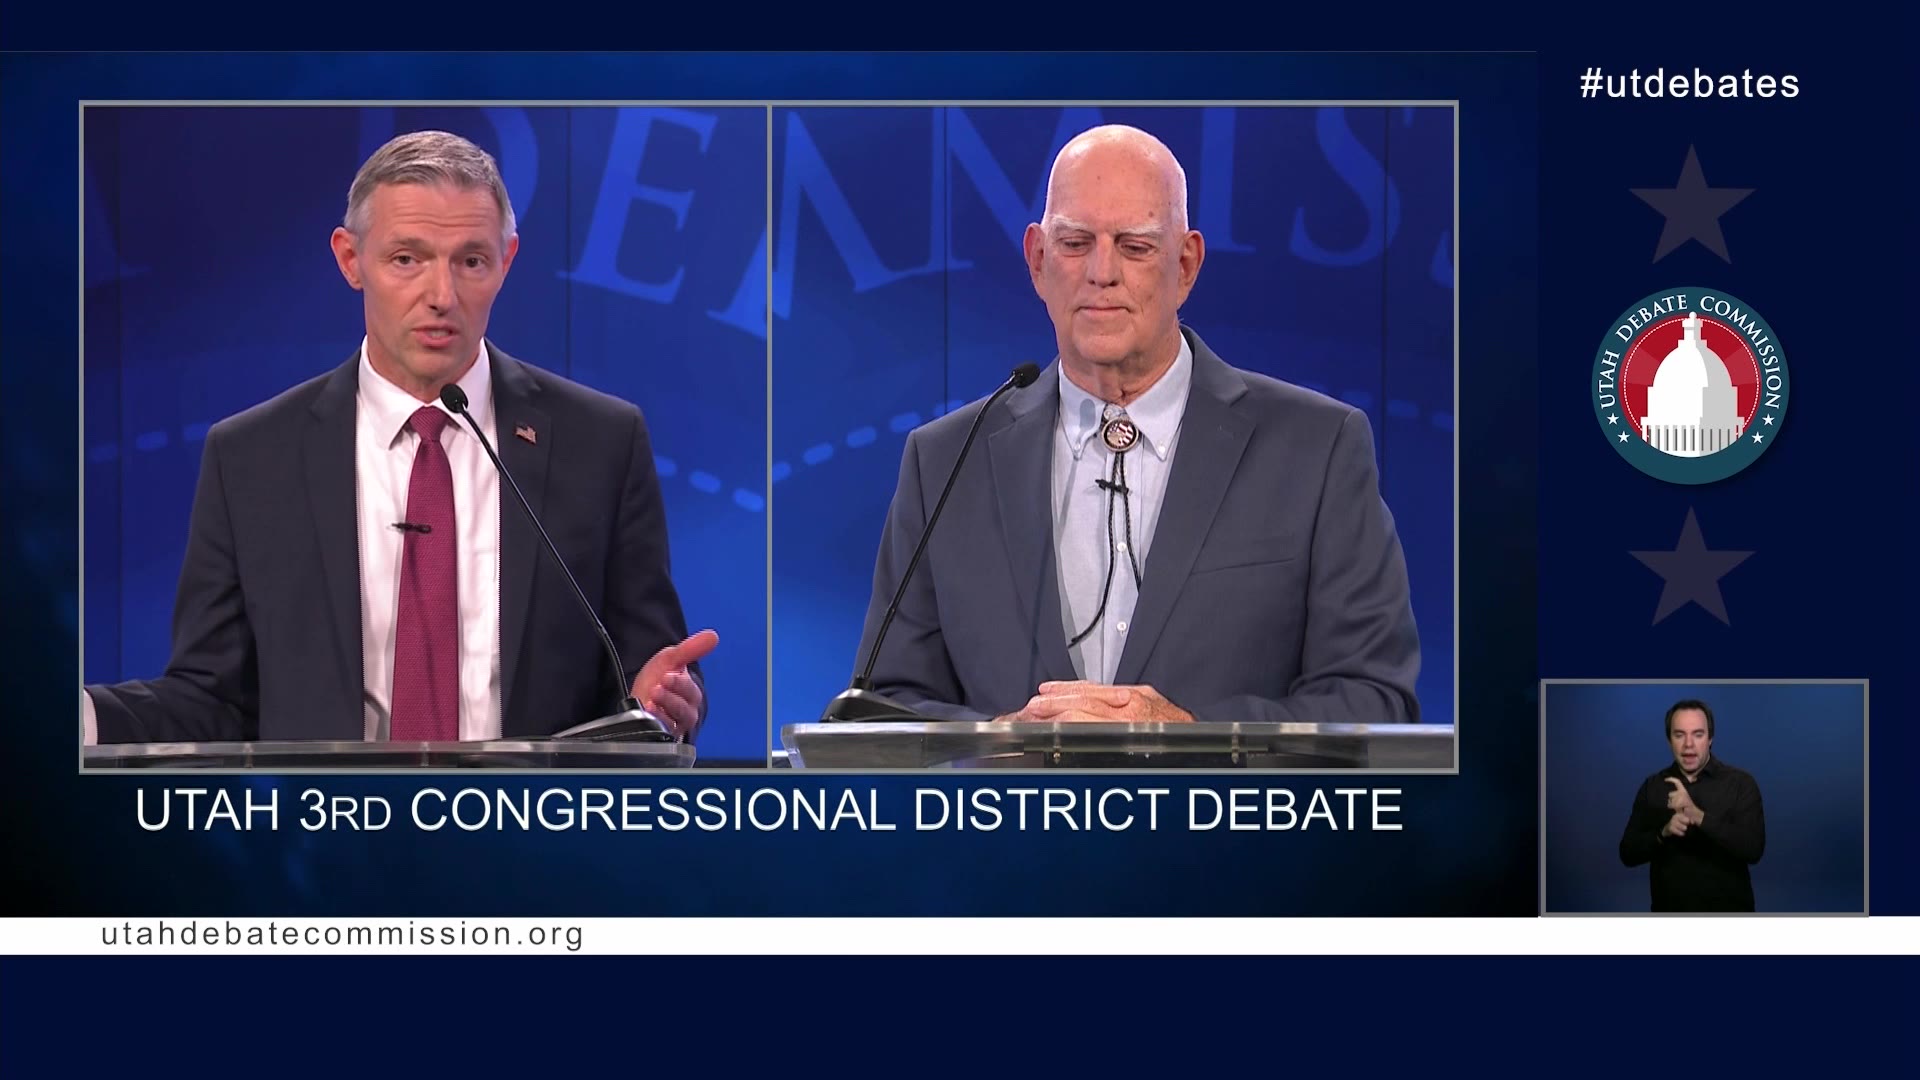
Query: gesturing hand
668,690
1676,825
1680,801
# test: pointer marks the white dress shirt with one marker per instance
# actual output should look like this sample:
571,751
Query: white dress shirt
1082,548
384,449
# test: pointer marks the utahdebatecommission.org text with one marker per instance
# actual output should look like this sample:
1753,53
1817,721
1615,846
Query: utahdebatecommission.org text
768,809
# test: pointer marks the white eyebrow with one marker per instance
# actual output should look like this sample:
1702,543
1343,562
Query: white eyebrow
1060,223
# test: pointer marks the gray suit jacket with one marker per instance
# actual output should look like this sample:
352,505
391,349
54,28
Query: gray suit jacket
1275,590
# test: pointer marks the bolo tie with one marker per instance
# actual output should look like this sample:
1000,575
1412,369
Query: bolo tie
1120,435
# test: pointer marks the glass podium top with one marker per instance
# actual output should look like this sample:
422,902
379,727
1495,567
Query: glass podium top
1006,744
355,756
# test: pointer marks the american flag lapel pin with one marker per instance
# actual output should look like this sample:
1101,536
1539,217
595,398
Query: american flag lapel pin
525,431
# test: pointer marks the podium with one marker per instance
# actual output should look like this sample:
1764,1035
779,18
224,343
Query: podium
1022,745
359,756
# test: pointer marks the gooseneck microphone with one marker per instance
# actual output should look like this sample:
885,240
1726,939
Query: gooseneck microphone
631,722
859,701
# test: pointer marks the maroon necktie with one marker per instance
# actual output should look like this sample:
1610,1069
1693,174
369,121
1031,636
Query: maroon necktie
426,651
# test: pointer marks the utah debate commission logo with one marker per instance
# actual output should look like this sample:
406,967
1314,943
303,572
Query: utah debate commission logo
1690,386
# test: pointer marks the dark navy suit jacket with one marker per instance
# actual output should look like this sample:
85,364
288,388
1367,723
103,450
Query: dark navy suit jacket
1275,590
266,627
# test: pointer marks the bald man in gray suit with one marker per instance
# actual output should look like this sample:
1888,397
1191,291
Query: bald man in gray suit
1151,535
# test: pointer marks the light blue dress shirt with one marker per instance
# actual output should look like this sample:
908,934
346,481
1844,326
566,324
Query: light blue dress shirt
1080,505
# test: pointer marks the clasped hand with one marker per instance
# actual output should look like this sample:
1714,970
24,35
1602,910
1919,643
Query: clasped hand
1083,702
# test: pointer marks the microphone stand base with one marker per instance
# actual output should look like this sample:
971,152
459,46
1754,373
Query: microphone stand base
854,706
633,725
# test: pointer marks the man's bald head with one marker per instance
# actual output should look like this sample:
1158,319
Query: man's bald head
1113,258
1102,150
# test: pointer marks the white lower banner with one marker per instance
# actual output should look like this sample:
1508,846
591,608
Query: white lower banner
1558,935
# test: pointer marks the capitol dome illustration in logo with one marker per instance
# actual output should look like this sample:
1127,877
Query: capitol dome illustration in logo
1690,386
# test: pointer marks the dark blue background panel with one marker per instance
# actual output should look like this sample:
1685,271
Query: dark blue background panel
1468,846
900,291
210,287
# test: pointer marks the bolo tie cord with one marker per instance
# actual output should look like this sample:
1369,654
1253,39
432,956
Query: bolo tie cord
1115,486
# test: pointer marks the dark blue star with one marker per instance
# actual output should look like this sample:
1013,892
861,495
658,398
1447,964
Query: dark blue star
1692,573
1692,210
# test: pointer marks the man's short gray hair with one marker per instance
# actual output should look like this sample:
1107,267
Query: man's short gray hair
428,157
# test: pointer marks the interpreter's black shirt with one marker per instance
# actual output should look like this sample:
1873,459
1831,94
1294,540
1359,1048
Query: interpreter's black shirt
1705,870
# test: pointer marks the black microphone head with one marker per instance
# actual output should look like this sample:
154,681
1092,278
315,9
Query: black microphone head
454,398
1025,374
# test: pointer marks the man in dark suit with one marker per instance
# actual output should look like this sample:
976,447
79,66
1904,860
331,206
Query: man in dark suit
1151,534
354,568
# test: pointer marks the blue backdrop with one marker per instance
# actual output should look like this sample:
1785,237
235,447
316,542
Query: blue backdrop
900,292
210,287
1805,745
